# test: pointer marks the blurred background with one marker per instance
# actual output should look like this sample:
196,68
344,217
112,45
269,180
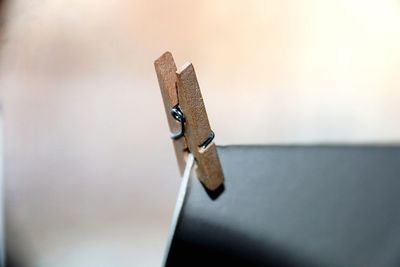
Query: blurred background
90,174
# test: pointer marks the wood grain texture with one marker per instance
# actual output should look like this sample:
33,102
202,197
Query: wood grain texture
167,79
209,169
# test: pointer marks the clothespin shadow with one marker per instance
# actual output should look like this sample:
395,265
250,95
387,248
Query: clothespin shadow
214,194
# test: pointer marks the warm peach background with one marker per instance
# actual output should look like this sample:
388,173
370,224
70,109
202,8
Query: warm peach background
91,178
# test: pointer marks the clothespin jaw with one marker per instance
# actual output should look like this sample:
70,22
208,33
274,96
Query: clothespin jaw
188,120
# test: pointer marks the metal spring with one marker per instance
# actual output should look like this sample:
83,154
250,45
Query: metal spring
209,139
177,114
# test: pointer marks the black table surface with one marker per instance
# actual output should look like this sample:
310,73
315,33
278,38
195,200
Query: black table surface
293,206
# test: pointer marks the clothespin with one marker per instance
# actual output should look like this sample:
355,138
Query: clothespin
188,121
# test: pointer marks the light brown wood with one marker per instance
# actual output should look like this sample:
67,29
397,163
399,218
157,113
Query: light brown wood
197,130
166,74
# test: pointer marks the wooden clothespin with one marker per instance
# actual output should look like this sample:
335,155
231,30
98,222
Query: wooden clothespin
188,121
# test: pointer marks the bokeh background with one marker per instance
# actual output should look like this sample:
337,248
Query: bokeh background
90,174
